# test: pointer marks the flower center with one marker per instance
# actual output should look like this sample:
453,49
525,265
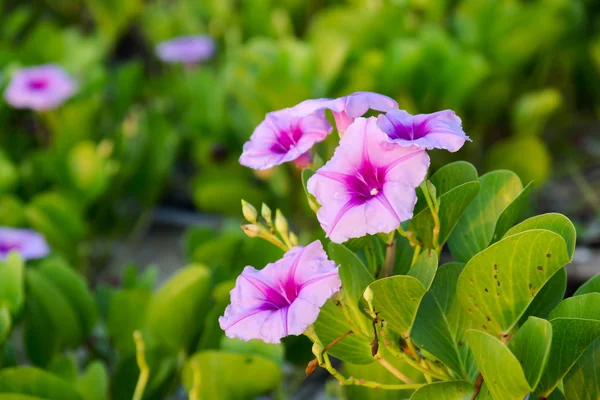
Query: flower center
406,130
287,140
38,84
366,183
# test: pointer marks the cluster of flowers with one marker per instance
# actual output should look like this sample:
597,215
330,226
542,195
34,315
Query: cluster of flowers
48,86
367,187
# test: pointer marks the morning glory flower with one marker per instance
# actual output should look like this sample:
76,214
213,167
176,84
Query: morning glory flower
369,184
346,109
283,298
40,88
284,137
29,244
186,49
440,130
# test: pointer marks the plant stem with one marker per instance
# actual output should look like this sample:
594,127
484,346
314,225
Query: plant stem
393,370
390,257
433,207
142,365
416,254
361,382
197,378
335,341
416,365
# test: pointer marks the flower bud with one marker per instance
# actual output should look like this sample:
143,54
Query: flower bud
251,230
311,367
265,211
281,223
249,211
368,295
293,239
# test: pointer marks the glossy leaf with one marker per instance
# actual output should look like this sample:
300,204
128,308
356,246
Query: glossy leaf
212,332
548,297
36,382
93,383
476,228
253,376
512,213
531,346
452,390
397,299
501,370
425,267
441,323
583,380
591,286
127,312
586,306
498,284
570,339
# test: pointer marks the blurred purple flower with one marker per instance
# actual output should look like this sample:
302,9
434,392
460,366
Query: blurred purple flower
40,88
283,137
369,184
346,109
28,243
440,130
186,49
283,298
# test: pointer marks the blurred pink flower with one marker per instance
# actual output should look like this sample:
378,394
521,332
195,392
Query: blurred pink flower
440,130
283,137
186,49
369,184
283,298
28,243
346,109
40,88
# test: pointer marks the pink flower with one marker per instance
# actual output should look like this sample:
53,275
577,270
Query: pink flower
369,184
40,88
186,49
283,298
283,137
346,109
28,243
440,130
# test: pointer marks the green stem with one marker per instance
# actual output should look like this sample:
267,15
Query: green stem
393,370
416,254
390,257
197,378
142,365
416,365
433,207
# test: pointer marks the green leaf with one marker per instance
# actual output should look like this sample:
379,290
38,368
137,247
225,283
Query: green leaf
531,346
441,323
74,288
512,213
255,347
5,325
425,267
127,312
36,382
252,377
16,396
62,315
500,368
548,297
528,157
499,283
331,324
557,223
456,186
476,228
180,300
12,287
212,332
591,286
583,380
396,299
41,342
586,306
93,384
355,279
570,339
452,390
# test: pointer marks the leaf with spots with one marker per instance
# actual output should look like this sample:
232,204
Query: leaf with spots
441,323
397,299
501,370
548,297
512,213
475,230
498,284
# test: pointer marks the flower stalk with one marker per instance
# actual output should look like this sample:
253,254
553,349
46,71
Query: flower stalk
142,365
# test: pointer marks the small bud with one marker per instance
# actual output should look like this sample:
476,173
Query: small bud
317,350
249,212
368,295
338,296
281,223
265,211
293,239
251,230
311,367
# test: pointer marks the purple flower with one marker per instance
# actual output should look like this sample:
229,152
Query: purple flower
440,130
186,49
346,109
369,184
283,137
28,243
40,88
283,298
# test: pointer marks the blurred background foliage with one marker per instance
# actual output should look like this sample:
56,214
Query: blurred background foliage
523,75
